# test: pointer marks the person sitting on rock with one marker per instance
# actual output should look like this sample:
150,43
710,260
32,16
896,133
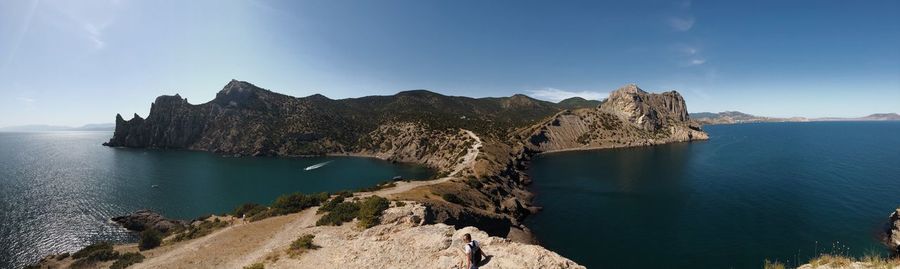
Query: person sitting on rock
473,252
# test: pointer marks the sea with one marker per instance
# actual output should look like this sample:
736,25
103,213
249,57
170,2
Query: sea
782,192
58,190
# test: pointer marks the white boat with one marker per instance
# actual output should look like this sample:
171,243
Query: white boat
318,165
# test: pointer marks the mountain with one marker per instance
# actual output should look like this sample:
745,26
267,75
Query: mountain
479,146
732,117
578,102
54,128
872,117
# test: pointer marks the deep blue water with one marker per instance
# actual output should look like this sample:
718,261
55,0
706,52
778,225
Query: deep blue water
59,189
781,191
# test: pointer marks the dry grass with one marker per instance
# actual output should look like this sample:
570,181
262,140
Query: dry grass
831,260
773,265
868,261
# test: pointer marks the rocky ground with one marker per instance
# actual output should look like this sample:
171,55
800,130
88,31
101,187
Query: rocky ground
403,240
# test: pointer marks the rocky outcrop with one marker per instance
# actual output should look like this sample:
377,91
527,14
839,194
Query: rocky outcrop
146,219
629,117
893,232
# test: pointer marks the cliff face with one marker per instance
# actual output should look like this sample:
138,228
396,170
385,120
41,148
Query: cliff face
629,117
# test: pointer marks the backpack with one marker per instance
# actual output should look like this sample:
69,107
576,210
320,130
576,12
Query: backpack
475,252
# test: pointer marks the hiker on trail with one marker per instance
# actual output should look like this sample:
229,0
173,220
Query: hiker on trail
473,252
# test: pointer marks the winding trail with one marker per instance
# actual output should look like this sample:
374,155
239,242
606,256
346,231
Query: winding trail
469,159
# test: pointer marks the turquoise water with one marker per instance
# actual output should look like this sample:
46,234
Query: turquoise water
781,191
58,190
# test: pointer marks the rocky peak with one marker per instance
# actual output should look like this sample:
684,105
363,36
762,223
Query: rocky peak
647,110
242,94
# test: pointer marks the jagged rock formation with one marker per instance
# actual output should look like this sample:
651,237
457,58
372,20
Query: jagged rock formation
629,117
484,143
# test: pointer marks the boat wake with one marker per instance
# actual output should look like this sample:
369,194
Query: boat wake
318,165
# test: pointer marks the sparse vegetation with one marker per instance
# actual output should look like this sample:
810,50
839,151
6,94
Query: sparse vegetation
248,210
339,213
370,211
379,186
258,265
301,245
452,198
474,183
127,259
94,253
86,251
399,203
367,210
203,228
296,202
150,238
773,265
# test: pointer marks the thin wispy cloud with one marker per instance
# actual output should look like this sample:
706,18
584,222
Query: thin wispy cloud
696,62
25,100
95,34
681,24
556,95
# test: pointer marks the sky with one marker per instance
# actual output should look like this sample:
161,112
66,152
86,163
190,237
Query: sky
77,62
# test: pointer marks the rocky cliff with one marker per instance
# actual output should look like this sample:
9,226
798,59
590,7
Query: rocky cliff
893,232
629,117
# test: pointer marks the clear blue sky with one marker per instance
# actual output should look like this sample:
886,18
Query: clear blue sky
75,62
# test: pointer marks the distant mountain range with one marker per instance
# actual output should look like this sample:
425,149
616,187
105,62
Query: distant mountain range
54,128
733,117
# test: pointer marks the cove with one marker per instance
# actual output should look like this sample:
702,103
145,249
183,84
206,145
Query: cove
778,191
59,189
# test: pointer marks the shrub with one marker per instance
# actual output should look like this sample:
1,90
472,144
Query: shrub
99,246
98,252
150,238
452,198
296,202
205,227
248,210
370,211
127,259
301,245
304,242
399,203
474,183
340,213
331,204
258,265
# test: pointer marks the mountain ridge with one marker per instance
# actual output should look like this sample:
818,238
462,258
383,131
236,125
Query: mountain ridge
733,117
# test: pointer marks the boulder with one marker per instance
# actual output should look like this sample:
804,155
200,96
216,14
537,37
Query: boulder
144,219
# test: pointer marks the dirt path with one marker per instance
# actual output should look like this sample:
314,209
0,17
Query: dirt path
235,246
469,159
